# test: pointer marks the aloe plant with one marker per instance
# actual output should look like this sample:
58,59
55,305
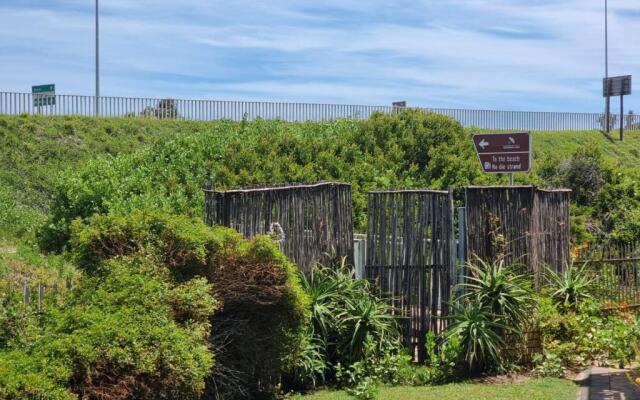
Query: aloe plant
497,287
572,286
477,331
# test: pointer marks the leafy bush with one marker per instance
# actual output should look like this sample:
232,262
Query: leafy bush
24,377
356,337
115,338
441,366
411,149
579,337
17,220
19,323
182,244
259,330
442,360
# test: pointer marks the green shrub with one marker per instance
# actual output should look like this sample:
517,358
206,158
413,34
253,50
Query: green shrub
259,329
574,338
116,336
19,323
182,244
411,149
442,361
17,221
355,337
24,377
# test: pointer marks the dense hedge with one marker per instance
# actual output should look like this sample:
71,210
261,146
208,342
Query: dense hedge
142,324
115,338
258,332
412,149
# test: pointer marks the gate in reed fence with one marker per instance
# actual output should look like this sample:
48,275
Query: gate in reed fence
410,256
312,222
521,224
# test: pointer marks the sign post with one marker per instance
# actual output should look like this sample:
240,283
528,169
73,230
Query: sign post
616,86
504,152
43,95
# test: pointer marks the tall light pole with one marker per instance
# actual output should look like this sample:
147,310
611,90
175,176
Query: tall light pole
97,100
606,62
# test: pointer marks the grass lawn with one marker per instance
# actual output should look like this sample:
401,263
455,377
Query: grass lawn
535,389
563,143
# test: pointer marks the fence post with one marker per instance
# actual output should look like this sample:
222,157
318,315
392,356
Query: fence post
40,294
452,255
461,249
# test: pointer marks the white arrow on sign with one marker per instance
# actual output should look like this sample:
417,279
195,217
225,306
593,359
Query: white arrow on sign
483,143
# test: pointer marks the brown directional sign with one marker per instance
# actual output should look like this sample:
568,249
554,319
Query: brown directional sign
504,152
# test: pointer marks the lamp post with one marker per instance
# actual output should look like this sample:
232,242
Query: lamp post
97,100
606,63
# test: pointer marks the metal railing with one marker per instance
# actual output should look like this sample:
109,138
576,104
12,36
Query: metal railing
207,110
614,272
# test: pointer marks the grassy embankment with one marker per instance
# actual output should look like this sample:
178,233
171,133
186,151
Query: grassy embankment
36,150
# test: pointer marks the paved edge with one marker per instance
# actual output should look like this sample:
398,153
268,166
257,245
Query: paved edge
584,378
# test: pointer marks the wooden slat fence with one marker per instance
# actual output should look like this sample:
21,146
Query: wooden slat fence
410,257
521,224
313,222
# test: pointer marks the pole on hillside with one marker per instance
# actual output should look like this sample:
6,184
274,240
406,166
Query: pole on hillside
621,118
97,100
606,64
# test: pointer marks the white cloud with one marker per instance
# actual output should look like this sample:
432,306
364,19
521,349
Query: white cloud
537,54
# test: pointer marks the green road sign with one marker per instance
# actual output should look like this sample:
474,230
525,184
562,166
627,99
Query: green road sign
49,89
44,95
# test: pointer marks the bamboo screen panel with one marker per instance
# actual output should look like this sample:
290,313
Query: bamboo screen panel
409,258
521,224
313,221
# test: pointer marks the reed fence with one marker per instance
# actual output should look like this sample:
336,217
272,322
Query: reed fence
410,256
312,222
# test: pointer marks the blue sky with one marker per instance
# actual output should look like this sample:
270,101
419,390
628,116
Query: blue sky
493,54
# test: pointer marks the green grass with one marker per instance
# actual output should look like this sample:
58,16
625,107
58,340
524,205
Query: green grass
626,153
36,150
535,389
